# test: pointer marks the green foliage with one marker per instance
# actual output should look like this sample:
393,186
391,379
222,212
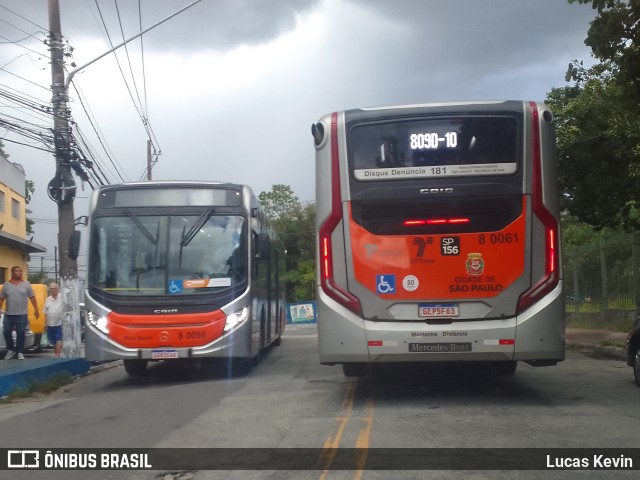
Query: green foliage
40,386
39,277
598,141
2,152
295,225
614,38
598,121
29,189
576,234
279,202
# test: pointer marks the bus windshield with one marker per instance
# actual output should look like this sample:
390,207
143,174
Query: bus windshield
435,147
167,254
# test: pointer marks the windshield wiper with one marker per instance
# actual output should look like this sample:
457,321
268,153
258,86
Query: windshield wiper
141,227
202,219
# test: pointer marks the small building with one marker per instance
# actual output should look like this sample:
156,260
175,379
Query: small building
14,246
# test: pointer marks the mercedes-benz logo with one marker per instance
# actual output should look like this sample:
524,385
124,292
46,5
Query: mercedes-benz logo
164,336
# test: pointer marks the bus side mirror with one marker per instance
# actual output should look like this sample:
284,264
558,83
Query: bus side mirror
317,130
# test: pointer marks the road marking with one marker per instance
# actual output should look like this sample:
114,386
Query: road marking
362,442
332,443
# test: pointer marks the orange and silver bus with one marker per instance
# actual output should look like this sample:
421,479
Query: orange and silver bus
438,236
181,270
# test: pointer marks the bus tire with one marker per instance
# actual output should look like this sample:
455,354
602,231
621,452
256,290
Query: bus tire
353,369
636,366
278,341
135,367
239,367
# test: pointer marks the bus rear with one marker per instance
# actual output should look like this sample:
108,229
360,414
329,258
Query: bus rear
438,236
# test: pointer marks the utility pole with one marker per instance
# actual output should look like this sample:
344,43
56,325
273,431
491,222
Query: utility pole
149,162
62,190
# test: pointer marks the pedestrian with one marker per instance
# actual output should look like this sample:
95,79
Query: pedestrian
17,292
53,314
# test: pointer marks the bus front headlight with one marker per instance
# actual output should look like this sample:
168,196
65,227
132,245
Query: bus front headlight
99,322
236,319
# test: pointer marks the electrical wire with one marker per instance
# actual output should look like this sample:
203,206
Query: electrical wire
25,19
145,121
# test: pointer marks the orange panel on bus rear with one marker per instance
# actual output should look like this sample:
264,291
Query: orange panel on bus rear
440,266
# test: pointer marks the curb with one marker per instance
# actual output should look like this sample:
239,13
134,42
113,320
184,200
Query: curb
23,375
97,367
618,353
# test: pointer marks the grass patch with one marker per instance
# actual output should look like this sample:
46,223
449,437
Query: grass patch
40,386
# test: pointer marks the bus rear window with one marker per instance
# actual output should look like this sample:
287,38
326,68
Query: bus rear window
435,147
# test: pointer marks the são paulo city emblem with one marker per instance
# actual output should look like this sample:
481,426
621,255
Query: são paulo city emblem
475,264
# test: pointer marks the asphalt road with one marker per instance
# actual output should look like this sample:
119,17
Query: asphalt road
291,401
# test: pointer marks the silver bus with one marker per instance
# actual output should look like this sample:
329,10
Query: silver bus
438,236
181,270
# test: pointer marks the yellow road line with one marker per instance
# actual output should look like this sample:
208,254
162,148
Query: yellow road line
332,443
364,435
362,442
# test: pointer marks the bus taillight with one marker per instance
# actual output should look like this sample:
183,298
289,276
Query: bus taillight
327,280
551,277
436,221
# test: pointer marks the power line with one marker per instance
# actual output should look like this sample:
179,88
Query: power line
117,168
145,121
22,78
8,40
25,19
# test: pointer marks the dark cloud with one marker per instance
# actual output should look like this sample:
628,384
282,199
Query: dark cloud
210,24
467,41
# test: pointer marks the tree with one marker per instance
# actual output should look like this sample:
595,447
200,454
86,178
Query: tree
598,121
614,38
279,202
294,224
29,189
598,141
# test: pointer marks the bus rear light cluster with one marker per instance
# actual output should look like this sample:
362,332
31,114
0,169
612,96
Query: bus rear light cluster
436,221
327,280
550,279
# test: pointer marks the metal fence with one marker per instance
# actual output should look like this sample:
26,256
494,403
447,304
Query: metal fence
604,279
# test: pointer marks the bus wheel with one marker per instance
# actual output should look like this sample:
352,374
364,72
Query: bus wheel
636,366
135,367
353,369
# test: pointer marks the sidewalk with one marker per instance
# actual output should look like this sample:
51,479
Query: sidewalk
601,342
37,367
41,366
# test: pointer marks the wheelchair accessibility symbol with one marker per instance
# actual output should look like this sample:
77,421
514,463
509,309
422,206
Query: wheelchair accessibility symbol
175,286
386,284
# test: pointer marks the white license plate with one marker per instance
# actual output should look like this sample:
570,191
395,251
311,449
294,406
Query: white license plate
438,310
163,354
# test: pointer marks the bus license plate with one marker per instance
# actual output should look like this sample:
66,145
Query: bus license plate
163,354
438,310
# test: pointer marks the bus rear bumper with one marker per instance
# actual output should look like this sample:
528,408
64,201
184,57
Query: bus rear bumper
536,336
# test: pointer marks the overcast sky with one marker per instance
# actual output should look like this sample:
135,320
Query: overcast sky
233,86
